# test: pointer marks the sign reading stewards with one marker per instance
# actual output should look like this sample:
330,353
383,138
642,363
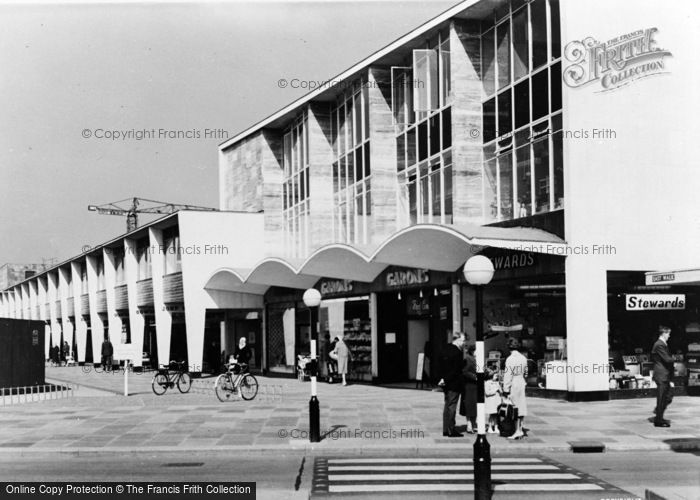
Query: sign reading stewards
654,302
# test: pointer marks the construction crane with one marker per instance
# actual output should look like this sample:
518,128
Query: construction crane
131,212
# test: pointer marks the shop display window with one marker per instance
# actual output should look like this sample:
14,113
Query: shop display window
350,320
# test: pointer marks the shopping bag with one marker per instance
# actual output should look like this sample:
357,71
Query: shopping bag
507,417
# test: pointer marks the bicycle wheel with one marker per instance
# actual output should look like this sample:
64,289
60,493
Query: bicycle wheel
249,387
223,387
184,382
160,383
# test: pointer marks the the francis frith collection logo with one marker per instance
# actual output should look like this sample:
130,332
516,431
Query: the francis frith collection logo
615,63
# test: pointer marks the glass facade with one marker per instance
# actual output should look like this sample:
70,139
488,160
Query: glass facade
296,187
421,101
523,162
352,201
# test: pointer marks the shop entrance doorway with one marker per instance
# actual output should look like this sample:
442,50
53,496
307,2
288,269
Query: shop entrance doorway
418,335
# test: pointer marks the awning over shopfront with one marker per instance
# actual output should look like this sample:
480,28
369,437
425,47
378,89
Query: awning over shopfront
447,247
683,277
422,246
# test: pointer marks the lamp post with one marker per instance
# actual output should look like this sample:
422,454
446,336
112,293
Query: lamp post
478,272
312,299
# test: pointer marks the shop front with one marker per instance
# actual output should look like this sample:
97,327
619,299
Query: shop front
401,316
526,301
638,303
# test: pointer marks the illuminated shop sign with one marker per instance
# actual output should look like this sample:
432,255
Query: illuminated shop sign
654,302
513,261
336,286
407,277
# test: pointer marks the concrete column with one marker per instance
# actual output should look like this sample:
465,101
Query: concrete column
80,324
53,311
42,294
320,177
382,145
467,195
137,321
273,202
64,284
11,304
96,323
24,293
164,320
114,321
33,300
586,325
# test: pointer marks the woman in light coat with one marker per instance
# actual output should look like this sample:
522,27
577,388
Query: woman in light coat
514,383
344,356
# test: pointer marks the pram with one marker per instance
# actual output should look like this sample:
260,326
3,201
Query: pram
303,361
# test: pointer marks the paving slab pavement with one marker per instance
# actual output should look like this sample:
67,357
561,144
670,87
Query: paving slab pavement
359,419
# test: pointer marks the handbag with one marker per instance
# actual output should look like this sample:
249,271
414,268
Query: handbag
507,417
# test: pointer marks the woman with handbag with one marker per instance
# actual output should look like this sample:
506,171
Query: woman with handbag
344,356
514,383
468,406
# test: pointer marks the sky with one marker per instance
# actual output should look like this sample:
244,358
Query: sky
73,74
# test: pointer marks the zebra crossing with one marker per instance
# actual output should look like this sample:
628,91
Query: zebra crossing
445,475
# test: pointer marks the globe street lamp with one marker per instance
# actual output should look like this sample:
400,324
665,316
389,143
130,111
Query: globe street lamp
312,299
478,272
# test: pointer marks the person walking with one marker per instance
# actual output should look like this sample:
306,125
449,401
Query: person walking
514,384
331,358
344,357
452,382
242,352
663,372
468,406
107,352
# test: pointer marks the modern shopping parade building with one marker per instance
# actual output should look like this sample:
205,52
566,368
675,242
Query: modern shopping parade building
552,136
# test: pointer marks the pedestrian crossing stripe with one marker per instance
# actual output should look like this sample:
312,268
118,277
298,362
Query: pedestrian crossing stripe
445,474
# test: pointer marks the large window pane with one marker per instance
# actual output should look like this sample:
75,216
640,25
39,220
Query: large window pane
555,29
489,112
504,110
540,95
505,172
365,111
359,167
503,54
489,62
411,147
349,124
522,103
540,151
520,45
447,180
358,118
400,152
434,127
446,128
538,16
490,189
398,96
412,198
555,85
445,84
368,170
425,196
558,162
422,141
523,175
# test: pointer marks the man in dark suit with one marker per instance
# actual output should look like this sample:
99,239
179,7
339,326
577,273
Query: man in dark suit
663,372
452,382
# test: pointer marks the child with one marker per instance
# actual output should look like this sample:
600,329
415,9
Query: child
492,393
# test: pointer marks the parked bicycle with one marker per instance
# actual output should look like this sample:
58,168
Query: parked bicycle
173,374
236,380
